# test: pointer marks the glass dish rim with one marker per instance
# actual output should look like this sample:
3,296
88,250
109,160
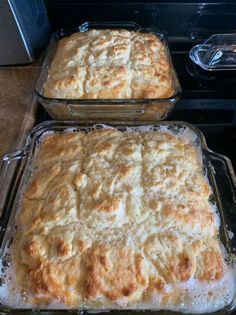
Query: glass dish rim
28,150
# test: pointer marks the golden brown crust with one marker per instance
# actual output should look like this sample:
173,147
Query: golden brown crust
108,82
173,260
61,147
115,273
178,260
210,262
110,64
56,281
38,185
107,204
112,216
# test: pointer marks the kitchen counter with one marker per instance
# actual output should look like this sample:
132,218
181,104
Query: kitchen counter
17,105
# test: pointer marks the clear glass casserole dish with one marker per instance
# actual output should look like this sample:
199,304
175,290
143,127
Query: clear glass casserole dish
217,168
112,109
218,52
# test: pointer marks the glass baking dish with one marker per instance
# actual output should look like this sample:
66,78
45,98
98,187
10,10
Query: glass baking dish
217,168
218,52
118,109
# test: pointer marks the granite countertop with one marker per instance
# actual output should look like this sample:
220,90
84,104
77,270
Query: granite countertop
17,105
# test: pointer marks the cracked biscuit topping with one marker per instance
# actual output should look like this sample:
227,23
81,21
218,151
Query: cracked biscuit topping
116,218
110,64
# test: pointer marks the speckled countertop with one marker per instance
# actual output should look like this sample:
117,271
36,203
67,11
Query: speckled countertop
17,105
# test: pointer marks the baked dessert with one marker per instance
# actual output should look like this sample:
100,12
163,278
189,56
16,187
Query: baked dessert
110,64
115,219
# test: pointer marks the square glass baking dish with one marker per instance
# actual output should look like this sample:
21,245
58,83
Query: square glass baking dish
217,168
110,109
218,52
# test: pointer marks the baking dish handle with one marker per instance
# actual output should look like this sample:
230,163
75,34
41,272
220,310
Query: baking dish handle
107,110
225,184
223,170
6,162
10,172
109,24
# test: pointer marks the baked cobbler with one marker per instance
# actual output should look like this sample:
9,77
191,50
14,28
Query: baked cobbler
119,220
110,64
